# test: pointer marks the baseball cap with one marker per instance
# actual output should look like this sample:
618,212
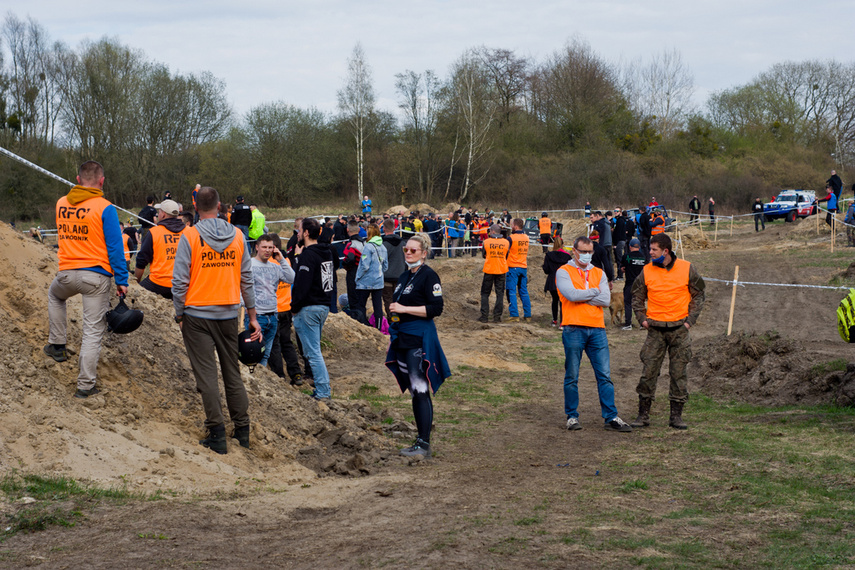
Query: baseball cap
168,207
634,243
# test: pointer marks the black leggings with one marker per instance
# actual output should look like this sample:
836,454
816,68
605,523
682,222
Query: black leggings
420,390
556,305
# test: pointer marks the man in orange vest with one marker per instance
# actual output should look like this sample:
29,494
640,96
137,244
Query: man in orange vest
584,291
667,298
657,223
212,270
495,251
90,253
158,249
545,227
517,279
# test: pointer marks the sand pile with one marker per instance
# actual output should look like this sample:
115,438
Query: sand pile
144,428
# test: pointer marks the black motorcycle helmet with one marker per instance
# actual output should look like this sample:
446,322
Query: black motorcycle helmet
250,352
122,320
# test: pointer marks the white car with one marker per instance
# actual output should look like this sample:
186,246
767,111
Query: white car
791,204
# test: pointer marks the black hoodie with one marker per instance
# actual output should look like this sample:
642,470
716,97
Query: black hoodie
397,264
313,282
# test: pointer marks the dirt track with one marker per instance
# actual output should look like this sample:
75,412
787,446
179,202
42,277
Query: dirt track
143,430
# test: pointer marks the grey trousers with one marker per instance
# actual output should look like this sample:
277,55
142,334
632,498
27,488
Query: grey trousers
488,284
95,290
201,338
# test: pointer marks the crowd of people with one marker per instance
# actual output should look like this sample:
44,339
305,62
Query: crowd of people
220,262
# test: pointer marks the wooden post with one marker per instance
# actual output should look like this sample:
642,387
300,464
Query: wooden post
680,239
731,226
733,300
715,235
833,219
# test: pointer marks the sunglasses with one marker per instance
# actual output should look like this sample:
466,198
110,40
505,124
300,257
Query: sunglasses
411,250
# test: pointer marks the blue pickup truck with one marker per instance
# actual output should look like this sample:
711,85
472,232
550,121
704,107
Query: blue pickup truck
791,204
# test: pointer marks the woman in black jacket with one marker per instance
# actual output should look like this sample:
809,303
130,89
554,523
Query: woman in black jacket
551,263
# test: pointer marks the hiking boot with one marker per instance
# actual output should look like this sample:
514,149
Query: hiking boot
573,424
513,319
676,420
242,435
86,393
482,319
297,380
216,439
526,319
617,424
643,419
497,319
57,352
418,448
626,328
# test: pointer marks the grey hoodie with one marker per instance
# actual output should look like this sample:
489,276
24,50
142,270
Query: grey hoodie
218,234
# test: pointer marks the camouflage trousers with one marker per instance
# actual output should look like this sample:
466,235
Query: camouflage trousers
678,345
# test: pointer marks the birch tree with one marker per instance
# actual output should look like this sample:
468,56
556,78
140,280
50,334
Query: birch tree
477,113
418,100
356,103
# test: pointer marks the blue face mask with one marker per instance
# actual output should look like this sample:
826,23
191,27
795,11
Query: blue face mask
659,260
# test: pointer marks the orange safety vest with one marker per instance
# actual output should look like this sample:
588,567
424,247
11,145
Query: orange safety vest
660,228
519,251
496,262
545,225
582,314
483,227
164,244
283,293
80,232
214,277
668,294
126,243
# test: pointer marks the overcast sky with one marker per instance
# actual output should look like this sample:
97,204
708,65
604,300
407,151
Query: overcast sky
297,51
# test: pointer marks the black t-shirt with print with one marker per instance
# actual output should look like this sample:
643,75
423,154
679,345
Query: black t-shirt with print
422,288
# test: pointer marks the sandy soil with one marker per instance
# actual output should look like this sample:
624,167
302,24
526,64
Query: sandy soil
322,485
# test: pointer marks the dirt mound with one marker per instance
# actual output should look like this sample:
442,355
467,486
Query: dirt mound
145,425
399,209
808,226
771,370
695,238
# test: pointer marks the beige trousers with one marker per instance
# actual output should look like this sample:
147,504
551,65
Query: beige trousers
95,289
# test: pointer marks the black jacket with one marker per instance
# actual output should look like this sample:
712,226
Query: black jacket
148,214
552,262
601,260
620,230
633,263
241,215
313,282
146,252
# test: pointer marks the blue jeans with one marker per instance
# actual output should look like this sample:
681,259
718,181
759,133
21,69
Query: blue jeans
245,230
269,324
309,323
518,275
594,343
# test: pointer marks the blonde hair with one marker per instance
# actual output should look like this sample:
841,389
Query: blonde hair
423,239
557,243
373,231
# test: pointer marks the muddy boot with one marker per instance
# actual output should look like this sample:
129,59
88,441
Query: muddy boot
643,419
676,420
242,435
216,439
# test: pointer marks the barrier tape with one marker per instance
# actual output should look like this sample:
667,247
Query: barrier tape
744,283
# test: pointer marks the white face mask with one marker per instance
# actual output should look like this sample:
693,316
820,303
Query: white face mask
414,264
585,258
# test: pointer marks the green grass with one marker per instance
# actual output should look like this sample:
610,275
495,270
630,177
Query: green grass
836,365
58,501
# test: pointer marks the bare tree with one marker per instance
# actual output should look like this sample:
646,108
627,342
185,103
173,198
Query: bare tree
661,91
356,103
507,74
477,113
418,99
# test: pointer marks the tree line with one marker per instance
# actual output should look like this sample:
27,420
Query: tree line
496,129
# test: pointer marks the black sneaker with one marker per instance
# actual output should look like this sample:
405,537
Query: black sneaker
86,393
297,380
418,448
617,424
57,352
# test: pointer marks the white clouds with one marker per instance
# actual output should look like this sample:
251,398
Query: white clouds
296,51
